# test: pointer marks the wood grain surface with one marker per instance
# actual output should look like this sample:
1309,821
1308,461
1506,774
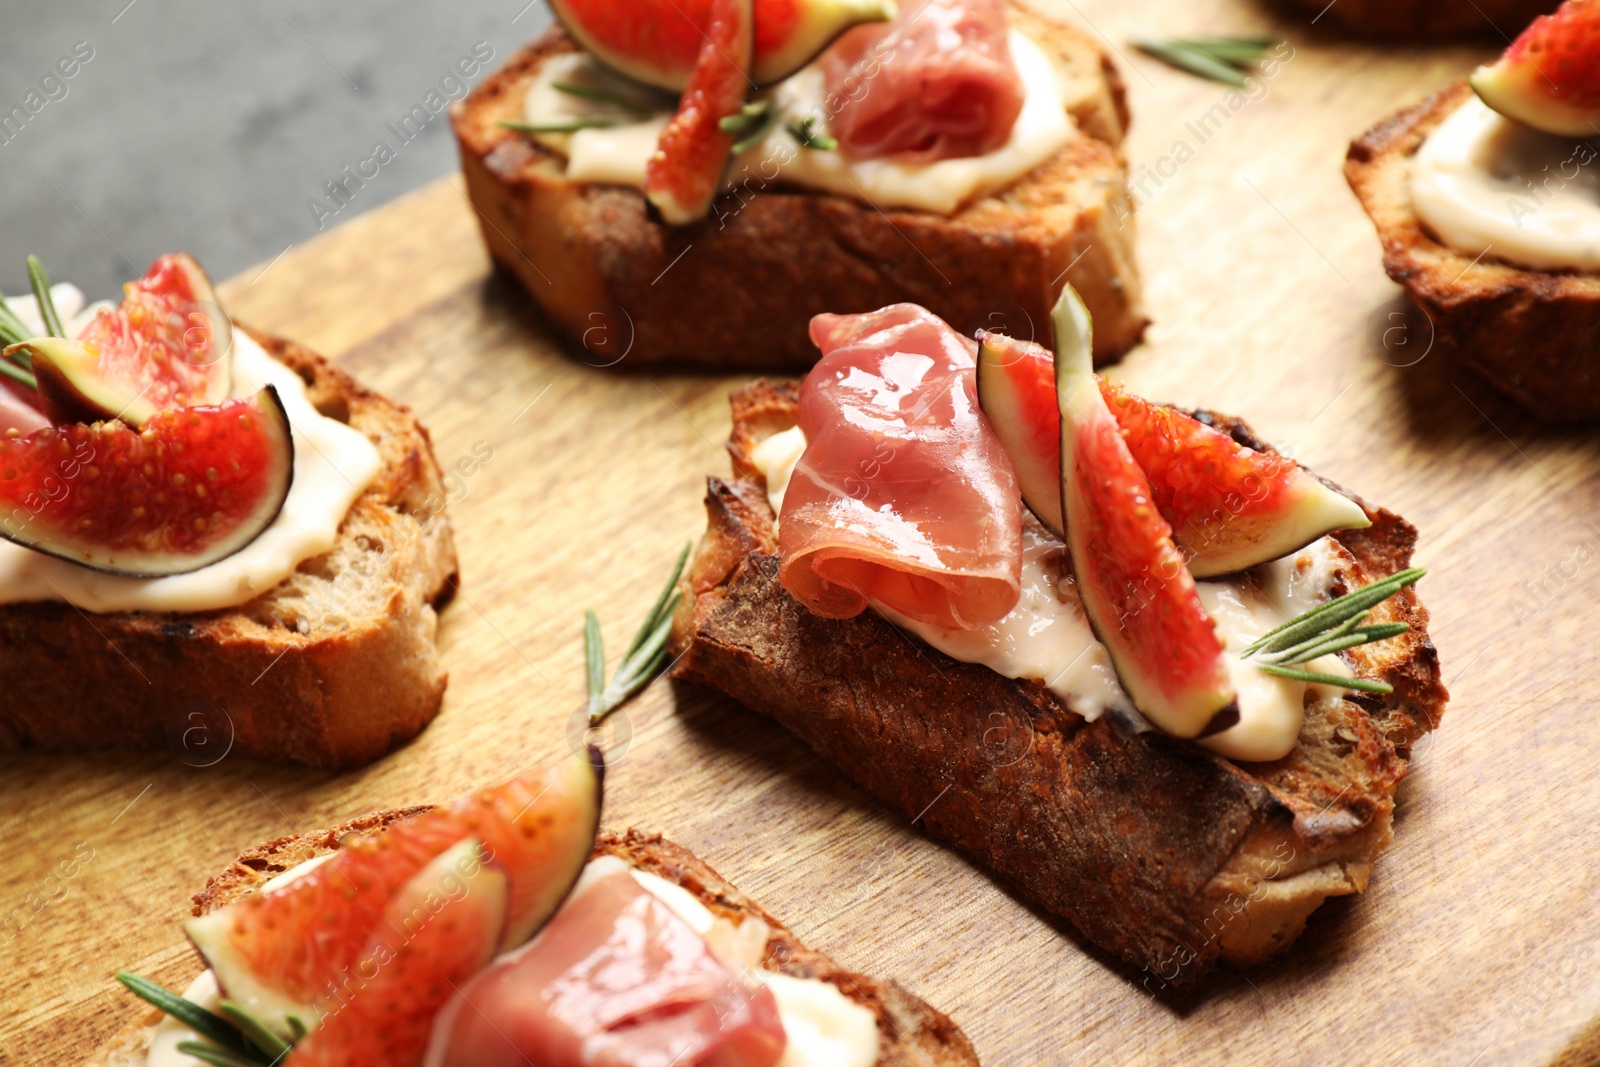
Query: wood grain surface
1478,942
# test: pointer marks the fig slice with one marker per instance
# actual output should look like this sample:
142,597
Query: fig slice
659,41
1549,78
438,931
1017,392
194,486
291,948
1230,507
685,173
1137,593
167,345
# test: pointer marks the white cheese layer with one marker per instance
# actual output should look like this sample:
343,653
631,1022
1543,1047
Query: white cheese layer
332,465
1485,184
1047,636
825,1028
618,154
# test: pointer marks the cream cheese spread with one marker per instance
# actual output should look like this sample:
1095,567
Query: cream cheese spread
1047,637
618,154
333,464
825,1028
1485,184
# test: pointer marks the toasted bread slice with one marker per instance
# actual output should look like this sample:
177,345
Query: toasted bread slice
621,287
333,667
1159,851
913,1033
1430,19
1531,333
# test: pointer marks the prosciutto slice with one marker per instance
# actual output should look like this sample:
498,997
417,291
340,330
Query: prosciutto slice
615,980
904,497
936,83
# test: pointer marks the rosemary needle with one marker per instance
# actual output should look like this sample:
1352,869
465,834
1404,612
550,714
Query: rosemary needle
41,293
753,112
1363,685
17,374
217,1057
255,1032
804,132
565,126
594,654
12,330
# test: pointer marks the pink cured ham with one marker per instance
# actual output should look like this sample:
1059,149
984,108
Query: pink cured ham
904,496
936,83
615,980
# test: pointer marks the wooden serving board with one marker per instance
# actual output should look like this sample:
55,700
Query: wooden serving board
1478,941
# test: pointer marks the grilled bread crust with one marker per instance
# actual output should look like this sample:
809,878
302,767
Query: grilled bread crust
626,291
913,1033
1531,333
1160,852
333,667
1430,19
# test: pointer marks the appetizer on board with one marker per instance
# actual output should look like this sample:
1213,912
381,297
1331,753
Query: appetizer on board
213,540
1487,203
502,930
692,183
1159,678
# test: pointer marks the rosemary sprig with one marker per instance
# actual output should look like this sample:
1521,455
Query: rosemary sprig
804,132
187,1012
597,122
604,96
1333,627
1346,636
1223,59
1334,612
645,657
41,292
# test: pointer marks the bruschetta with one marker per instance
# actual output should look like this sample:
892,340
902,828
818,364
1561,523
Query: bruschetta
1159,679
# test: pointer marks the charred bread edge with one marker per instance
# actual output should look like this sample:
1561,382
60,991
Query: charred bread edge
1529,332
914,1034
599,267
357,692
1252,899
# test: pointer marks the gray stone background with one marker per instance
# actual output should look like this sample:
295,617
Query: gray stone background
208,125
